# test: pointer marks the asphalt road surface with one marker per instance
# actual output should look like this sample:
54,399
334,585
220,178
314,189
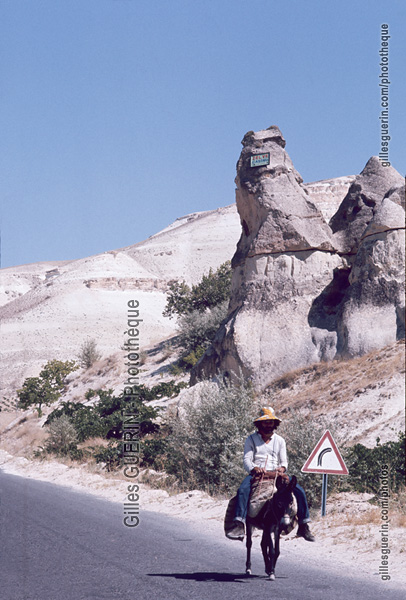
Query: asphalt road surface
58,544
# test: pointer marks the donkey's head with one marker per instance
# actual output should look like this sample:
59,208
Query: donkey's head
283,496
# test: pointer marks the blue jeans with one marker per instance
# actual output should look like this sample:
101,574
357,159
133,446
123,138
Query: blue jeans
243,497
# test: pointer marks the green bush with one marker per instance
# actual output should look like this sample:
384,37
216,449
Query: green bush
365,465
85,419
197,331
192,358
200,310
205,446
105,419
111,456
153,452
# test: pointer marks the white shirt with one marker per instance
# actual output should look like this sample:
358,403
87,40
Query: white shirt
268,456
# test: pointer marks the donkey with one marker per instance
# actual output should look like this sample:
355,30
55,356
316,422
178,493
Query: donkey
274,517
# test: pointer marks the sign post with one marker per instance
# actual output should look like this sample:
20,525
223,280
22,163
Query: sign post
324,495
325,459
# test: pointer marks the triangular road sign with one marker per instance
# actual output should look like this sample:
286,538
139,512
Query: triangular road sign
325,458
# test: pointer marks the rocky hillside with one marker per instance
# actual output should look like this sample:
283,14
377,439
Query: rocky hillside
49,309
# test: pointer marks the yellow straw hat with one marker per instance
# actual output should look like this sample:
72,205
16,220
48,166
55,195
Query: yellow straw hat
267,414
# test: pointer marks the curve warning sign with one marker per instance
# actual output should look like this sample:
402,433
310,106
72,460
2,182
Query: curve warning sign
325,458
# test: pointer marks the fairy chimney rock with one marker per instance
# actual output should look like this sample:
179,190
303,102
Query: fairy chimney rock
304,290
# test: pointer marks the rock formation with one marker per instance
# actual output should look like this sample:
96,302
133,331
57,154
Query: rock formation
303,290
371,222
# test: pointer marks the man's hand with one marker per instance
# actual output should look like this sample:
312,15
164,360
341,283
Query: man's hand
280,470
257,471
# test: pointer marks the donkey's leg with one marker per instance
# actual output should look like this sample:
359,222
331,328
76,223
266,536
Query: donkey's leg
248,544
266,545
273,555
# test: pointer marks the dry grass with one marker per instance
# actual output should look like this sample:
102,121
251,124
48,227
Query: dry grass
397,519
25,437
99,441
397,512
365,518
336,382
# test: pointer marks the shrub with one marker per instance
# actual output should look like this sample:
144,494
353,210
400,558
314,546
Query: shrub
62,438
178,300
105,419
213,289
153,451
85,419
192,358
89,354
366,464
197,329
205,446
111,456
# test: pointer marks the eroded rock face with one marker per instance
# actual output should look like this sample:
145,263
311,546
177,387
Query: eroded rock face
372,312
276,213
304,291
362,202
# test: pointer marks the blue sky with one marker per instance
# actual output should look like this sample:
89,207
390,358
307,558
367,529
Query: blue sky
118,116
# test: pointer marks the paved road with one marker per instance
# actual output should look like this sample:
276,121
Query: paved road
57,544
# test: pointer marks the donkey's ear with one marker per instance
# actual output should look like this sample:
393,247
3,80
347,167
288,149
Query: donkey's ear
293,482
282,481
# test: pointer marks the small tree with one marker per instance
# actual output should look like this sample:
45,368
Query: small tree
89,354
212,290
47,387
178,300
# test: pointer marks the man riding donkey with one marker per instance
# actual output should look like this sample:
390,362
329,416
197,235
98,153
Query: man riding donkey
265,451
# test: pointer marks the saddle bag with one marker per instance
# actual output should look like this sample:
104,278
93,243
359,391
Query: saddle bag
262,489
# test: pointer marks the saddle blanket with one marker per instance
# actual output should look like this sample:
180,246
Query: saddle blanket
262,489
